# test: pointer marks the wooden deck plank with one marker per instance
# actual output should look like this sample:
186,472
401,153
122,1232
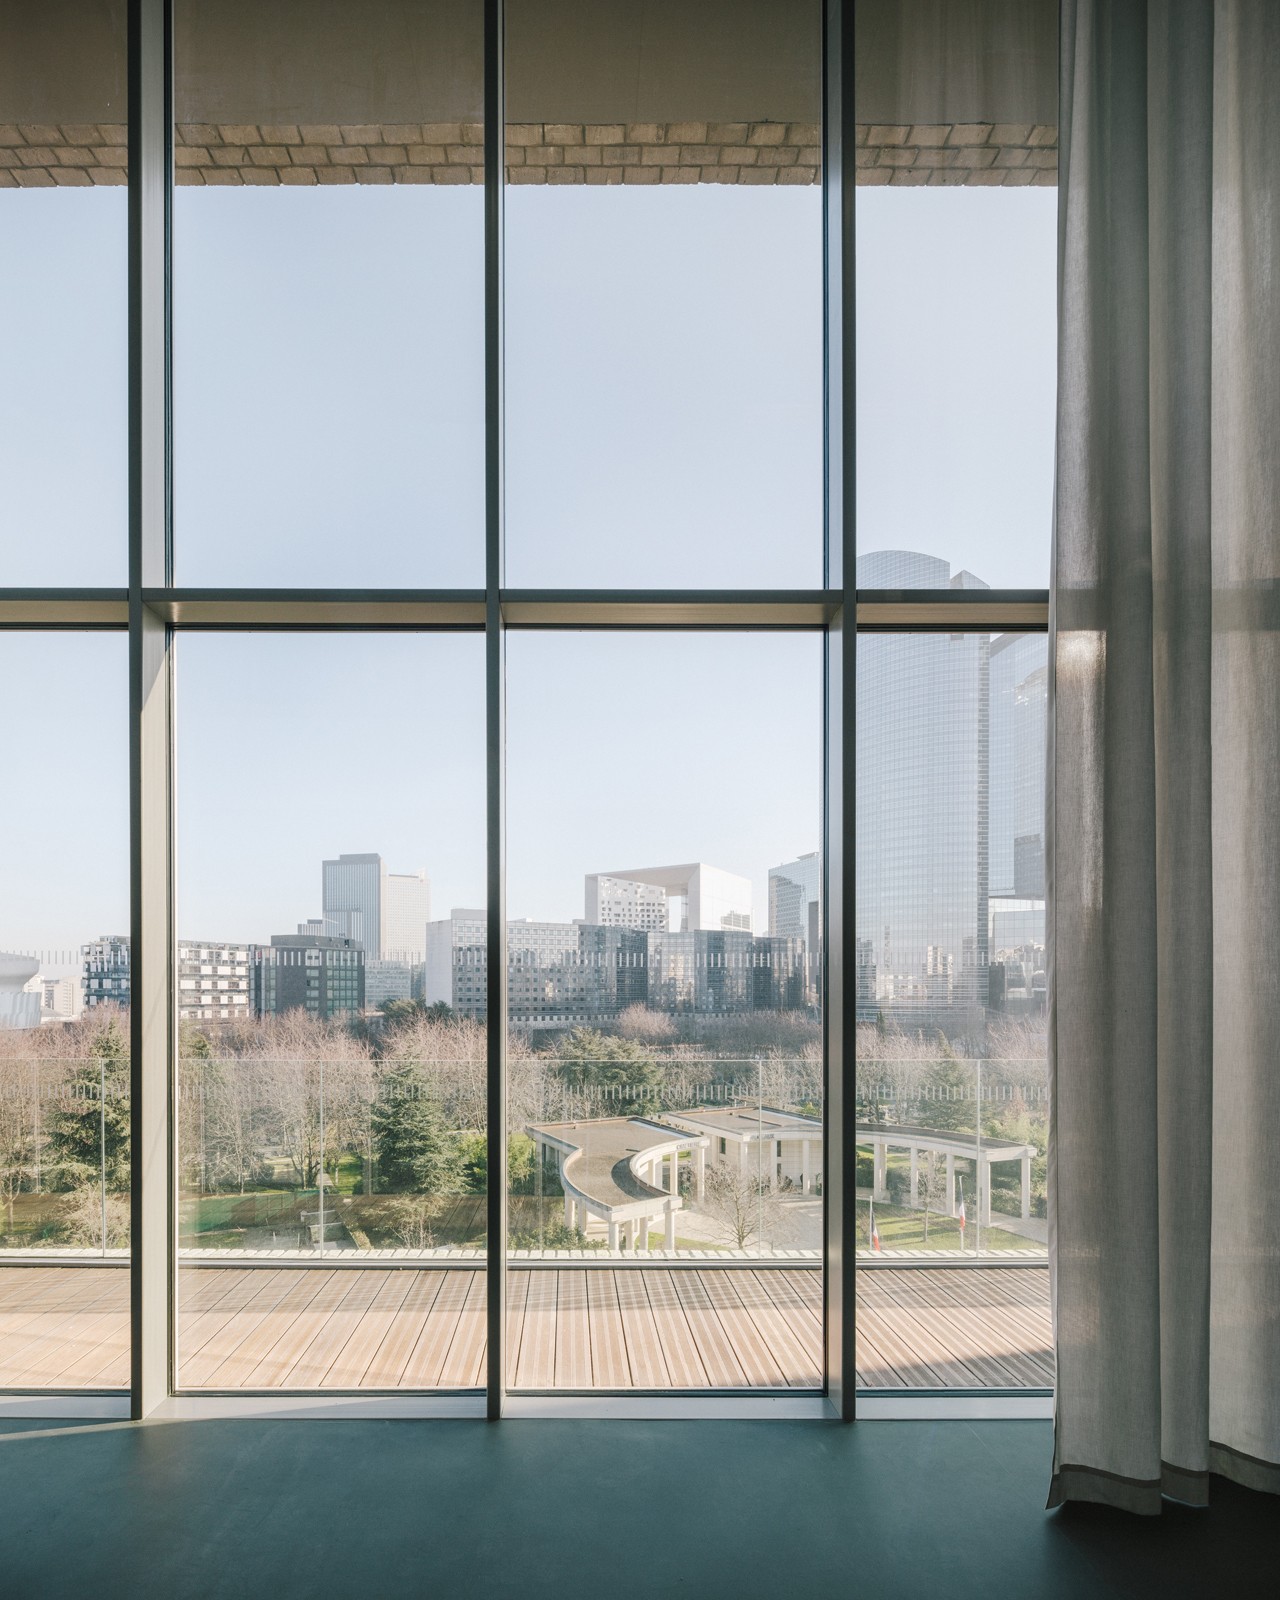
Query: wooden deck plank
386,1368
59,1342
645,1355
573,1332
676,1342
221,1333
534,1365
794,1340
238,1357
426,1362
464,1361
749,1345
312,1361
570,1327
352,1361
610,1368
715,1346
205,1313
942,1319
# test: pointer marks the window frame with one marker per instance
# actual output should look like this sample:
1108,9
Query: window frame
154,612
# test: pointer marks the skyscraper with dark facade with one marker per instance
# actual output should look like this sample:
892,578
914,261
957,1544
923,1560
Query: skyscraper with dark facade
923,794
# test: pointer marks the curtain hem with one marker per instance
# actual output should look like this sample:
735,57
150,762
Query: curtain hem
1144,1496
1250,1472
1139,1495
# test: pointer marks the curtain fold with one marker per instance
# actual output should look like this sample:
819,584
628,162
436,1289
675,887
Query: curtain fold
1164,753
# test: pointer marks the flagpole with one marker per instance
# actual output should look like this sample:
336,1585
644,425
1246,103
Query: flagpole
977,1175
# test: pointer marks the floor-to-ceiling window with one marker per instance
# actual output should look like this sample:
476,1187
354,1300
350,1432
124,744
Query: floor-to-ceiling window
552,948
955,228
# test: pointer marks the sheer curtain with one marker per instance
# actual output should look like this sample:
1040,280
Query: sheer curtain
1164,760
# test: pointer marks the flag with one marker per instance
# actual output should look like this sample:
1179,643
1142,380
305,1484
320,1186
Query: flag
875,1232
960,1217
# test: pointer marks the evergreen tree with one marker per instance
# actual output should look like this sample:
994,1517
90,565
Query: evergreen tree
86,1130
949,1083
626,1076
474,1151
416,1152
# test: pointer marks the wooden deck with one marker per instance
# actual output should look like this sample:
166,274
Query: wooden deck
570,1328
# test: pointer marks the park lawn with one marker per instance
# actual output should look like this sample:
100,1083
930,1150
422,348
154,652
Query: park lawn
903,1229
350,1173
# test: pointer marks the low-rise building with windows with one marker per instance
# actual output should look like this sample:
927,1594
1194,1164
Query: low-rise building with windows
106,971
214,981
298,972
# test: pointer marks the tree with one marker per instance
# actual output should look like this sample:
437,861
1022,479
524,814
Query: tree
411,1218
949,1086
473,1150
649,1027
83,1214
400,1012
618,1073
415,1151
931,1185
743,1205
89,1129
19,1078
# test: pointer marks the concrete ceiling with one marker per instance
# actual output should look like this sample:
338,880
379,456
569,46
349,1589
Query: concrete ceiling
598,91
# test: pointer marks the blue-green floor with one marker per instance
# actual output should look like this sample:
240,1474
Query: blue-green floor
340,1510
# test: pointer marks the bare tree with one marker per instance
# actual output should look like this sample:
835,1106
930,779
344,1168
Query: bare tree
648,1027
745,1206
931,1185
411,1219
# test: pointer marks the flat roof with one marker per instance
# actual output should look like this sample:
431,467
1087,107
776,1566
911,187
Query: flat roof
958,1138
599,1165
765,1120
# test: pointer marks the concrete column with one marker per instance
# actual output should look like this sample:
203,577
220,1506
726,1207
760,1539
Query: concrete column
878,1152
915,1177
568,1211
1026,1187
742,1155
629,1233
673,1162
671,1227
951,1185
984,1191
613,1234
700,1172
806,1166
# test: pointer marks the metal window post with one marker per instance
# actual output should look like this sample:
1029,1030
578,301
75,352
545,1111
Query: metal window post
153,1032
495,713
838,995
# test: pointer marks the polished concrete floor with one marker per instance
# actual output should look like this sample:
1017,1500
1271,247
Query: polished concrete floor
944,1510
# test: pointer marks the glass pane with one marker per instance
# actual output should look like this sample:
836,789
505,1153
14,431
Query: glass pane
663,295
64,1020
63,279
665,1071
956,230
950,972
331,1121
328,302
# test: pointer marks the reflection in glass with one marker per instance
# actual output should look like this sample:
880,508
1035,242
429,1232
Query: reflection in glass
950,973
64,1025
665,1091
331,1132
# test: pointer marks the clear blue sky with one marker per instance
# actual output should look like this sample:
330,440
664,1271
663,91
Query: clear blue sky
663,427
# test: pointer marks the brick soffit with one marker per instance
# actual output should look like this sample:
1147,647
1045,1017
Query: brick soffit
981,154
